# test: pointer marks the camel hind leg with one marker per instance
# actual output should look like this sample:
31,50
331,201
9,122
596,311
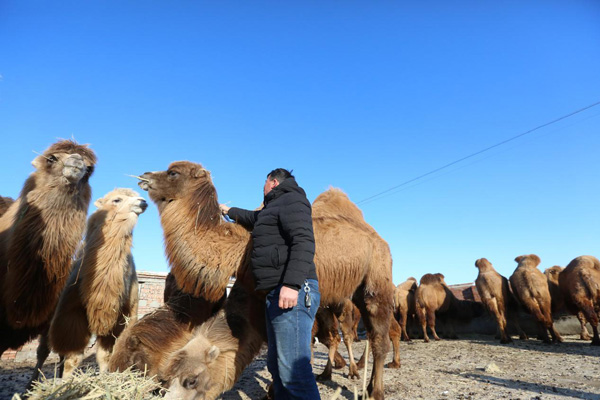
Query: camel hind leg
43,351
584,335
587,309
431,323
395,335
422,316
376,310
347,324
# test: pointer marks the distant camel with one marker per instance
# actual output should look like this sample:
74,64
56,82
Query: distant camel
558,302
404,301
497,298
531,289
580,286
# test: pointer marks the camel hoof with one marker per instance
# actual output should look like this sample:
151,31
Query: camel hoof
506,341
523,337
393,365
361,364
323,377
585,337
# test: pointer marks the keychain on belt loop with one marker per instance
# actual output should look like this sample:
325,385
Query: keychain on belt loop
306,295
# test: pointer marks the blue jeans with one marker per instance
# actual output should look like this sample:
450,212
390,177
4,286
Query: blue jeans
289,341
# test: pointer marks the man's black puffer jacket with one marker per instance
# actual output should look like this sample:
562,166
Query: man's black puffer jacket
283,240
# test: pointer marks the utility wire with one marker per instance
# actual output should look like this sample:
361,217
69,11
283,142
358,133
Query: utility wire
377,196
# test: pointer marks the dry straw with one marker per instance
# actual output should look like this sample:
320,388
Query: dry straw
90,385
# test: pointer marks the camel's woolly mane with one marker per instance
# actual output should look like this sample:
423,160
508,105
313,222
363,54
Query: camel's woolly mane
38,237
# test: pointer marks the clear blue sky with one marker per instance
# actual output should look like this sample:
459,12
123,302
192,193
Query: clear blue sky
358,95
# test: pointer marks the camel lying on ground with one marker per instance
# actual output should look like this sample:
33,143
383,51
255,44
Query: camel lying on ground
530,287
101,295
558,302
352,260
433,297
39,234
497,298
404,301
580,287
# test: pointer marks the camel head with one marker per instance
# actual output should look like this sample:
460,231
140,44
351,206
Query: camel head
183,180
122,202
553,273
483,264
65,162
187,375
529,260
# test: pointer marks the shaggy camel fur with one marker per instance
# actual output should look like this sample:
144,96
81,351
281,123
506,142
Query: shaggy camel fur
39,234
433,297
351,259
497,298
530,287
101,295
580,286
5,203
404,302
558,302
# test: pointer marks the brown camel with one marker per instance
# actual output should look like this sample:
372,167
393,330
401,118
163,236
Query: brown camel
580,287
433,297
101,295
404,301
497,298
351,259
558,302
39,234
530,287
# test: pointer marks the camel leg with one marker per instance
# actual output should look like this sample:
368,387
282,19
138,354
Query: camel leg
587,308
395,335
347,325
504,336
431,324
377,313
326,374
43,351
421,313
338,361
104,350
71,362
402,319
584,335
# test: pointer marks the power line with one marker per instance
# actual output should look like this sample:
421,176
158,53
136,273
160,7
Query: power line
380,194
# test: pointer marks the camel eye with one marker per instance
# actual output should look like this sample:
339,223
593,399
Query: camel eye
51,160
117,200
172,174
190,382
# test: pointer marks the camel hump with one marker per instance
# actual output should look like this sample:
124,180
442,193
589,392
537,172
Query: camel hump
335,201
529,260
483,263
429,279
5,203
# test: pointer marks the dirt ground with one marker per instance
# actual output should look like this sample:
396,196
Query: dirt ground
474,367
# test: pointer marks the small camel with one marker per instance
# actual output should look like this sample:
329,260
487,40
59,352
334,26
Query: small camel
497,298
101,295
530,287
580,287
404,301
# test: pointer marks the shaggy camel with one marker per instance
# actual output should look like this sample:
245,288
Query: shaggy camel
351,259
39,234
530,287
404,302
580,287
558,302
433,297
101,295
497,298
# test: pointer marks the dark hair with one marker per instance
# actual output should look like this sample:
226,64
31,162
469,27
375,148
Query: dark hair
280,174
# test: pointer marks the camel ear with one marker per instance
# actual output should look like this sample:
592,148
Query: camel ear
212,353
98,203
132,342
198,172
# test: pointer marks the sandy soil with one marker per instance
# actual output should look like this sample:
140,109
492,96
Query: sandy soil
475,367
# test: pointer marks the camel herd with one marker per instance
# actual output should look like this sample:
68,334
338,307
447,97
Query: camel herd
64,281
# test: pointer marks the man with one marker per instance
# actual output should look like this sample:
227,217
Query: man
283,266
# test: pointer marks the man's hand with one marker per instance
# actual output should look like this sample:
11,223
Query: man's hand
288,297
224,209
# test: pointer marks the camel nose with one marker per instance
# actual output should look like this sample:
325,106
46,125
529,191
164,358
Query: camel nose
145,181
143,204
